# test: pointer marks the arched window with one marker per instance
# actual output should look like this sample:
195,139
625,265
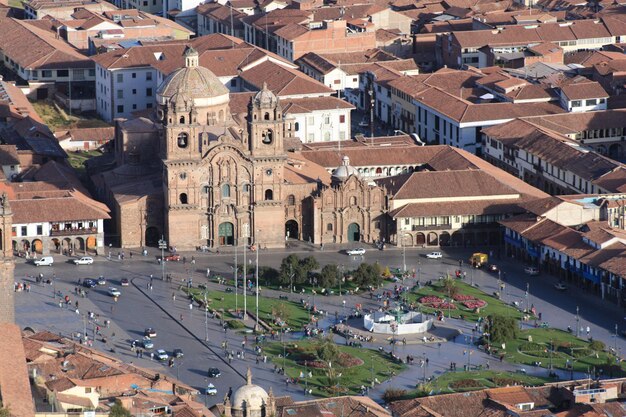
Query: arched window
246,188
353,201
225,191
267,137
329,227
291,200
266,116
379,171
221,115
182,120
182,198
205,189
183,140
296,126
269,195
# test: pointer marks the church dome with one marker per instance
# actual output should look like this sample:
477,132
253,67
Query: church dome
344,170
265,98
249,397
192,82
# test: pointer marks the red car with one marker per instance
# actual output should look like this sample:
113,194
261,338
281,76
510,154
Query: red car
174,257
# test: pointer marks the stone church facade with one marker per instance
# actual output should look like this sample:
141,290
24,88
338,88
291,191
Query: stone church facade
228,179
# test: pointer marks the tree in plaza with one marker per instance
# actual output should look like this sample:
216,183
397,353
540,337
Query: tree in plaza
329,276
449,286
368,274
501,329
327,350
118,410
289,265
279,312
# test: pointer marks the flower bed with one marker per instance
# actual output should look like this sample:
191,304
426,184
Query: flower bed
345,361
473,304
465,383
431,299
463,297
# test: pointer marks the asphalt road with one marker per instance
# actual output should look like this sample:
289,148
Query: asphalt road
138,308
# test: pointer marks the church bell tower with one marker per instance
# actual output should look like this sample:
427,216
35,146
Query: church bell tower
266,130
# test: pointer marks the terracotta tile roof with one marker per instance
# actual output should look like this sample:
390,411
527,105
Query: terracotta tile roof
98,134
70,207
569,242
582,91
541,206
612,259
458,208
309,104
520,223
570,123
283,81
300,170
542,229
447,184
14,383
60,384
614,181
75,400
34,48
8,155
367,156
324,63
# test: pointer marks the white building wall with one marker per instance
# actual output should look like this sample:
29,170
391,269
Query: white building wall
120,92
321,125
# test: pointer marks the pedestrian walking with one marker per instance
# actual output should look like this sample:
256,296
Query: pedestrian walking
151,356
208,272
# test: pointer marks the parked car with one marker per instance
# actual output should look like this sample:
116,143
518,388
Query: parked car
493,268
124,282
178,353
85,260
89,283
560,286
101,280
211,390
146,343
172,257
114,292
214,373
356,252
531,270
161,355
150,332
44,261
434,255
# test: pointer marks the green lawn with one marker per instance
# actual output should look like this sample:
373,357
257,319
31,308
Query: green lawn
474,380
59,121
565,347
296,316
373,364
76,159
494,306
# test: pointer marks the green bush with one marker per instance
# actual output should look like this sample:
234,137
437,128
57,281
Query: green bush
597,345
534,349
501,328
235,324
393,394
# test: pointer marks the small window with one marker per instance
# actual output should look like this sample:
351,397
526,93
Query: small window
182,175
39,229
342,118
148,76
134,75
183,140
182,120
149,92
266,116
329,227
296,126
205,189
267,137
120,93
291,200
269,195
134,91
182,198
24,232
120,78
353,201
233,82
225,191
63,73
120,109
246,188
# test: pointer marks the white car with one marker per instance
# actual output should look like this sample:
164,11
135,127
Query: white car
531,270
161,355
211,390
356,252
85,260
44,261
114,292
101,280
434,255
560,286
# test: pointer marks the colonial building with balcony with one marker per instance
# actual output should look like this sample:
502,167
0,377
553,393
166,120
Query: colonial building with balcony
50,220
572,239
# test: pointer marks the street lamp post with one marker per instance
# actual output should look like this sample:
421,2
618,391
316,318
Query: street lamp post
256,273
577,322
206,317
244,279
527,297
162,246
235,273
341,280
290,279
403,256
